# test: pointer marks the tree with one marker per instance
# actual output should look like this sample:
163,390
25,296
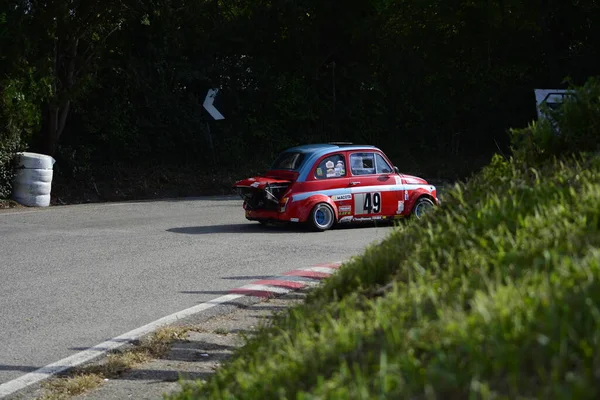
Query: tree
61,40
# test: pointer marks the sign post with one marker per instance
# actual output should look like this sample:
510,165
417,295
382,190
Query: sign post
209,106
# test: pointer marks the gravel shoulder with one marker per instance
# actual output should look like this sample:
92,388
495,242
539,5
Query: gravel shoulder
214,338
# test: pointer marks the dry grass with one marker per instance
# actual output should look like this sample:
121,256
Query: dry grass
61,388
6,204
83,379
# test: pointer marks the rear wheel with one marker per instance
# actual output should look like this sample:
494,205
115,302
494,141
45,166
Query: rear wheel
321,217
423,206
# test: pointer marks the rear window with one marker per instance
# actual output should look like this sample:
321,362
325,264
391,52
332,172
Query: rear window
288,160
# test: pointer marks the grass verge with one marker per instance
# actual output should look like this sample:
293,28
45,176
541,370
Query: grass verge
5,204
83,379
496,295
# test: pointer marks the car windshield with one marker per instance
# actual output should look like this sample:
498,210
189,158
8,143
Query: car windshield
288,160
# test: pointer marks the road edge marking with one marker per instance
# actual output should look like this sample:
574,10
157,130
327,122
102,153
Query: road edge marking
262,288
98,350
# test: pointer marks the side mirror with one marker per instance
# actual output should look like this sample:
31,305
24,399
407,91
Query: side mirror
396,170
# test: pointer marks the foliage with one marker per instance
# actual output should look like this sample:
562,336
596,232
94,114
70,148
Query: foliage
18,120
7,153
436,86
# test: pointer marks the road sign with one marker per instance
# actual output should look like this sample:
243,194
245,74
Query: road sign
553,98
208,104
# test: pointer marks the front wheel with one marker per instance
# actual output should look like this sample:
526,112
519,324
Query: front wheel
423,206
321,217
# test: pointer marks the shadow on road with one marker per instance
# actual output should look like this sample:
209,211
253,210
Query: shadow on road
257,228
249,277
233,228
22,368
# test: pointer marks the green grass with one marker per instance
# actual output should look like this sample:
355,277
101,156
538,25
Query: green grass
496,295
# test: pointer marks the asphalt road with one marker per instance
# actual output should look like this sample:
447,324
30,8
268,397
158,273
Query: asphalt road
74,276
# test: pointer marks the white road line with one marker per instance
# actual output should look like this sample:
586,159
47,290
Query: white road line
38,375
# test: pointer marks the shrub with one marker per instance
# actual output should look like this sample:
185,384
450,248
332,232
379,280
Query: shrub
19,117
8,147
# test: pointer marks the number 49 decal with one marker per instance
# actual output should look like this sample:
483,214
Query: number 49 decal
367,203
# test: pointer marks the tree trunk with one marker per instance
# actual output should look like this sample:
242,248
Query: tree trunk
56,111
549,48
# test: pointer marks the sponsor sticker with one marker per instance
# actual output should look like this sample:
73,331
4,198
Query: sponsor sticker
339,169
341,197
400,207
345,210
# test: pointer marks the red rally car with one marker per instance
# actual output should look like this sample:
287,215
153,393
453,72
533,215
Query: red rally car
325,184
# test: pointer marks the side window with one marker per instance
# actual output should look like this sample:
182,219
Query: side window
382,166
331,167
362,163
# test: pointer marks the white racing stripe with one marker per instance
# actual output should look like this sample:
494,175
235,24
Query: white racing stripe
362,189
87,355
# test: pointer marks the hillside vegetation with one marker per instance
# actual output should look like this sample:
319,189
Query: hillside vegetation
494,295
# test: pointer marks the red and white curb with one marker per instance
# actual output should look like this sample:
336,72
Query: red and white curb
288,282
275,286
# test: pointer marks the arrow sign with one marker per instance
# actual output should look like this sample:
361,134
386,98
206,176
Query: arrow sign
208,104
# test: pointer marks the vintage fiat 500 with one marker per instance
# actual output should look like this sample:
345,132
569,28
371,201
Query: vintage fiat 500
325,184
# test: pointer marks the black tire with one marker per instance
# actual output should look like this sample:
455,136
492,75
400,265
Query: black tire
322,217
422,206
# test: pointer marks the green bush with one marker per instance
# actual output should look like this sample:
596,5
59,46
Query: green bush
8,147
19,118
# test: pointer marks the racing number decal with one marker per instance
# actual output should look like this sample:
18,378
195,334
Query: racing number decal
367,203
372,203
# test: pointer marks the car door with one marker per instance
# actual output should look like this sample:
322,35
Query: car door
376,188
329,175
